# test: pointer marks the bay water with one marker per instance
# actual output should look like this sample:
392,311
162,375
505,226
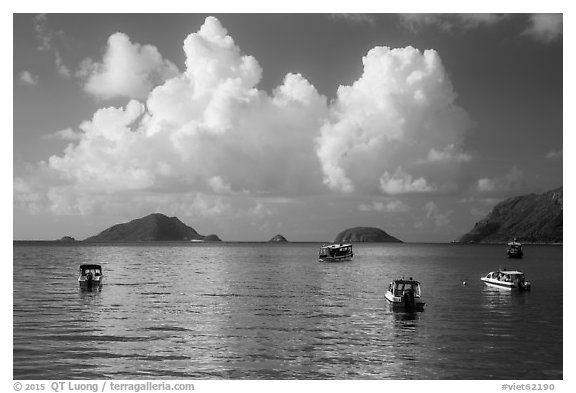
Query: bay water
273,311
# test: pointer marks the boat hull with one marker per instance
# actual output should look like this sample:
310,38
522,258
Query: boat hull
396,303
335,259
97,281
505,285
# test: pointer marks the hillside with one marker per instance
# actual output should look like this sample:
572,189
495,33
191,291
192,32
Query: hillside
154,227
533,218
365,235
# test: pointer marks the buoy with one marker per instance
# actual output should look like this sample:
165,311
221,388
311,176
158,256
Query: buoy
464,283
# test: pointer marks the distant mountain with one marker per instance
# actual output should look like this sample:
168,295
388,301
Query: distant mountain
365,235
533,218
67,239
278,239
154,227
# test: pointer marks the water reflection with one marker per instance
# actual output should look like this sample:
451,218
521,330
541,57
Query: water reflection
405,317
84,289
502,300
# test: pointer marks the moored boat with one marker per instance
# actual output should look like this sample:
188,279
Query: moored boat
335,253
507,279
90,275
514,249
405,295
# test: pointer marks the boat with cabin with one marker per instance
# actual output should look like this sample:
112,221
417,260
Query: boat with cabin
90,275
514,249
335,252
405,295
507,279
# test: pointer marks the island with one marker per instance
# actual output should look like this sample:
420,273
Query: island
153,227
67,239
278,239
532,218
365,235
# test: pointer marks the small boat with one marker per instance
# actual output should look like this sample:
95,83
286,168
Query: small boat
507,279
335,252
90,275
405,295
514,249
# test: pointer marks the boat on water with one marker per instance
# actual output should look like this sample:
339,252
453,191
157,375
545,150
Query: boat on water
507,279
90,275
514,249
335,253
405,295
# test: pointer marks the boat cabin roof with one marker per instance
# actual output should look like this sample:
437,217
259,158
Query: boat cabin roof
336,245
508,272
403,281
515,244
90,267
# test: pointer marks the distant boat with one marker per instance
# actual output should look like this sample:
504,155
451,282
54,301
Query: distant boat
514,249
507,279
335,253
405,295
90,275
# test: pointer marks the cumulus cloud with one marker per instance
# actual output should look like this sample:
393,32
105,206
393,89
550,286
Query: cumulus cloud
514,179
395,127
127,69
207,134
402,183
545,27
27,78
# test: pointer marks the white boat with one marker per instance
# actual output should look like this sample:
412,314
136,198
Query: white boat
405,295
90,275
507,279
335,252
514,249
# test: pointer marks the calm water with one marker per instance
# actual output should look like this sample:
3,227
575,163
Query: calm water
272,311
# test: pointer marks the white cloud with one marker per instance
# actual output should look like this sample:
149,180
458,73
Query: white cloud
542,27
545,27
387,206
514,179
67,134
554,154
450,21
207,135
47,42
43,33
27,78
127,69
435,216
402,107
449,154
62,69
403,183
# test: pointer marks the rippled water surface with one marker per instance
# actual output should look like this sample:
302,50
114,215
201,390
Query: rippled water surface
272,311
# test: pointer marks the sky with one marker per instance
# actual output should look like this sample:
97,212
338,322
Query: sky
249,125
